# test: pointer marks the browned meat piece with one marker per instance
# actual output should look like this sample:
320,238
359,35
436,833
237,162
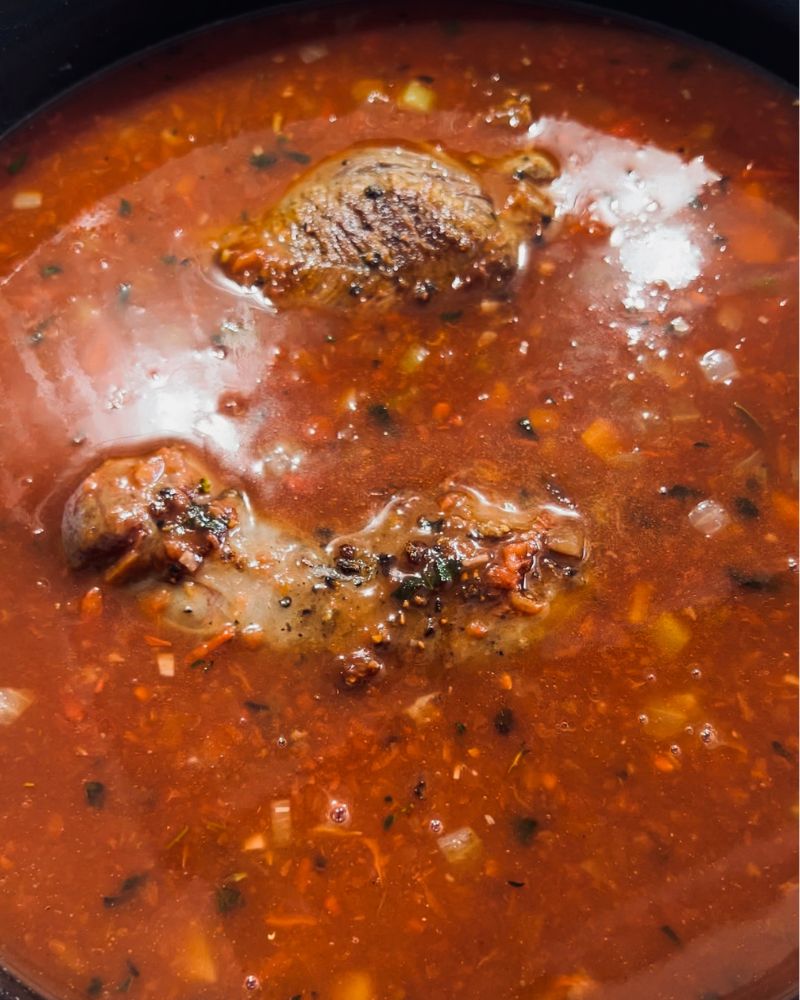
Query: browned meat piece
380,223
135,515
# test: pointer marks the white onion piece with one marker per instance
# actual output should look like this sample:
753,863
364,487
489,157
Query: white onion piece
166,664
708,517
280,811
13,702
719,366
460,845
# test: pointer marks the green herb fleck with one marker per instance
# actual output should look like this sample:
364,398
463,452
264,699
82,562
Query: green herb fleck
127,890
297,156
263,161
745,508
94,987
51,270
461,728
514,884
36,337
380,414
527,428
17,164
667,931
201,664
451,317
169,259
256,706
504,721
124,293
228,898
780,750
204,486
127,982
525,828
451,27
388,821
125,208
95,792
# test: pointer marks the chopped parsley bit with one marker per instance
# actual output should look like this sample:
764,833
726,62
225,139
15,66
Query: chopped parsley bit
451,27
451,317
297,156
228,898
380,414
263,161
126,890
125,208
527,427
504,721
206,665
95,792
256,706
17,164
169,259
51,270
745,507
514,884
780,750
124,293
461,728
388,821
127,982
36,337
525,828
94,987
671,934
678,491
204,486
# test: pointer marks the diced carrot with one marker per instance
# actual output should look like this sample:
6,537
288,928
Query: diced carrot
544,418
663,764
201,651
601,438
91,604
156,643
753,244
477,630
441,411
640,602
785,506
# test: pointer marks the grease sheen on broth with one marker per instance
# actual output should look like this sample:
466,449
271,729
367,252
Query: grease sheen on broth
379,788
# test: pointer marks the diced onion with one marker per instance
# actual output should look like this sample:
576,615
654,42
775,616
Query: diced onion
708,517
166,664
413,358
719,366
13,702
417,97
26,200
255,842
460,845
424,709
312,53
280,811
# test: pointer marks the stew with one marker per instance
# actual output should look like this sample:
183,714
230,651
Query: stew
399,487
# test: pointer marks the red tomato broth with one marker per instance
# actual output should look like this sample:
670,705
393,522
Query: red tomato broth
623,854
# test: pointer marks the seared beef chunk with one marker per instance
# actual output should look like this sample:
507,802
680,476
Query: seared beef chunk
133,516
381,223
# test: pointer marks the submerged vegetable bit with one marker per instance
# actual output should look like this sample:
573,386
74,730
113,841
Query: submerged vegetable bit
13,702
460,847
